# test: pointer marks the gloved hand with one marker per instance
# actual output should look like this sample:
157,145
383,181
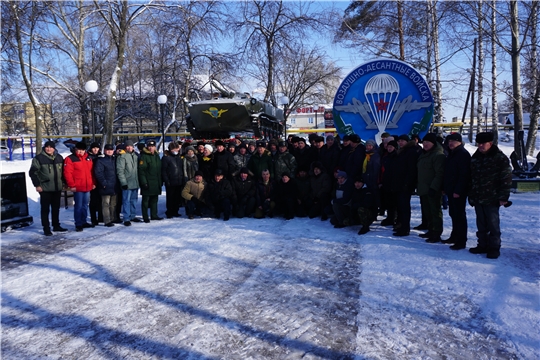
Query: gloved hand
433,193
145,186
124,187
471,202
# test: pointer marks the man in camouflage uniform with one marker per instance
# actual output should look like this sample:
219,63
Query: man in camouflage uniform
491,180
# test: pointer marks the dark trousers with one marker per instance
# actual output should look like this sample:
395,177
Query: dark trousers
489,227
404,211
193,208
149,202
389,202
456,210
96,214
287,206
173,199
431,207
50,202
244,207
222,206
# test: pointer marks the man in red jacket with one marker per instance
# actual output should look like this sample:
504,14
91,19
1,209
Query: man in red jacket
80,180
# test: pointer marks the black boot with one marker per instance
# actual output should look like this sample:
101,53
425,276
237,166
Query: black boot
363,230
478,250
426,235
433,239
47,231
58,228
493,253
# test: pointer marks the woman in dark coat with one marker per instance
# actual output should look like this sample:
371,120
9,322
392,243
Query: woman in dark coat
173,176
206,163
190,163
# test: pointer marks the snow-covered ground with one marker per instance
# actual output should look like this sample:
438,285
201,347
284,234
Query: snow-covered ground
268,289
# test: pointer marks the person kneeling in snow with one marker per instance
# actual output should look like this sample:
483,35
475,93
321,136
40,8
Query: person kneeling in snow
194,194
362,203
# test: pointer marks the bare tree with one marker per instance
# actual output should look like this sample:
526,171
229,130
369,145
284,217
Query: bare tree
534,79
119,17
264,27
24,17
494,103
306,77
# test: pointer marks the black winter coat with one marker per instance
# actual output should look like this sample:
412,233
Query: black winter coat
329,157
105,173
225,161
457,172
243,189
218,191
172,171
355,161
285,191
391,179
406,167
265,191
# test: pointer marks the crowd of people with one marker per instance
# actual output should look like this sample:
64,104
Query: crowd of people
348,182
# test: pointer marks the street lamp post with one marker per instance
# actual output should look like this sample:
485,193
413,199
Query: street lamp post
285,103
162,100
91,86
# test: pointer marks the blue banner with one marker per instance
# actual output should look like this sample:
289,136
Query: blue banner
383,96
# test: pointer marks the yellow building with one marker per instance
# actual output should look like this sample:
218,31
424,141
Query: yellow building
19,118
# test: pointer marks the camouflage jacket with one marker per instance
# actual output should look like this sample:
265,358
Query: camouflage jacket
491,177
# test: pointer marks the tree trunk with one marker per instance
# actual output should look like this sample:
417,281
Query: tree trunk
481,59
438,82
400,30
516,75
27,75
533,126
494,104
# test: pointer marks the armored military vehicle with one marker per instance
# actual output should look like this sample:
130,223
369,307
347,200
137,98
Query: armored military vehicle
226,113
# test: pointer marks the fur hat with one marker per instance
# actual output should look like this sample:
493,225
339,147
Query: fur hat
120,147
219,142
393,143
282,143
431,137
80,145
244,170
200,143
484,137
287,174
232,144
355,138
198,173
108,147
404,137
455,136
151,143
94,145
50,144
261,144
218,171
330,137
